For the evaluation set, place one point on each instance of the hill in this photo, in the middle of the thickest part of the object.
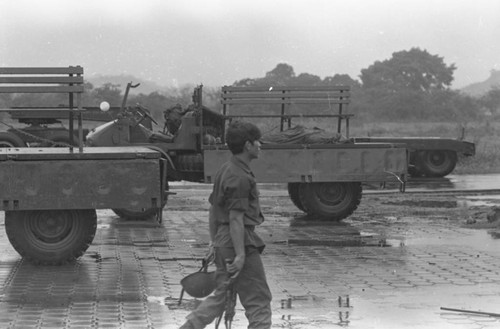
(481, 88)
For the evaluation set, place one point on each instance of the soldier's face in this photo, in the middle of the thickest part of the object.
(254, 149)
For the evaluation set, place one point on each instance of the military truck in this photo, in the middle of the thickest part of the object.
(323, 179)
(428, 156)
(50, 195)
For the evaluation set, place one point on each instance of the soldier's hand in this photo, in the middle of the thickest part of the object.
(235, 266)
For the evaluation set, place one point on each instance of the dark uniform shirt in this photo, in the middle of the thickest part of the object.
(235, 188)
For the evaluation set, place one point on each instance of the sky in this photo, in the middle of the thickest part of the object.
(217, 42)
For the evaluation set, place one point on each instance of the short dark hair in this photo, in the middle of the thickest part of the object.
(238, 133)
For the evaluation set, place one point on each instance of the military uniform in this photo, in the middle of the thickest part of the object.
(235, 188)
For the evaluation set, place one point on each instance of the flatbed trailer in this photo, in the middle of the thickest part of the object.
(323, 179)
(429, 156)
(50, 195)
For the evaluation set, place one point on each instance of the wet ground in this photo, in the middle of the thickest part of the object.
(394, 263)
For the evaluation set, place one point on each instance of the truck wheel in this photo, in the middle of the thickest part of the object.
(10, 140)
(333, 201)
(51, 237)
(293, 193)
(132, 214)
(437, 163)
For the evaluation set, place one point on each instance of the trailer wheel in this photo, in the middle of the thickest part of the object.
(10, 140)
(437, 163)
(333, 201)
(51, 237)
(293, 193)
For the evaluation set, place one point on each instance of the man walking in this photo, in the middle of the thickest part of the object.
(234, 213)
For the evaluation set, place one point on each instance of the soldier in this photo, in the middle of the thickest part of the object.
(233, 215)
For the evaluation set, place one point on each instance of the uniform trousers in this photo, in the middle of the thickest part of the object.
(251, 287)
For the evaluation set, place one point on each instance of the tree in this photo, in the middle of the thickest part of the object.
(415, 70)
(491, 100)
(341, 79)
(403, 86)
(281, 75)
(110, 93)
(244, 83)
(281, 72)
(306, 79)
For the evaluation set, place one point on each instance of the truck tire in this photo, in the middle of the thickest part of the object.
(293, 193)
(332, 201)
(10, 140)
(132, 214)
(51, 237)
(437, 163)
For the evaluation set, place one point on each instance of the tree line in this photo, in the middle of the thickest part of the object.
(411, 85)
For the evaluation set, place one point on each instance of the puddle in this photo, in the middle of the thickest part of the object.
(156, 300)
(185, 304)
(424, 203)
(173, 303)
(363, 240)
(421, 308)
(311, 311)
(484, 240)
(479, 201)
(475, 239)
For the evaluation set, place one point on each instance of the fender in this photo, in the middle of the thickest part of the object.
(172, 173)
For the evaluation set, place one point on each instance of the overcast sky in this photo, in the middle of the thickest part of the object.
(217, 42)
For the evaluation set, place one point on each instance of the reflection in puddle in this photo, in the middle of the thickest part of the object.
(173, 303)
(156, 300)
(308, 311)
(346, 241)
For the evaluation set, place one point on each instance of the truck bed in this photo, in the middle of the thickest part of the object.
(97, 178)
(288, 163)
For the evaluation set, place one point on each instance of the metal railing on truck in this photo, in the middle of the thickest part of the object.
(334, 98)
(48, 80)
